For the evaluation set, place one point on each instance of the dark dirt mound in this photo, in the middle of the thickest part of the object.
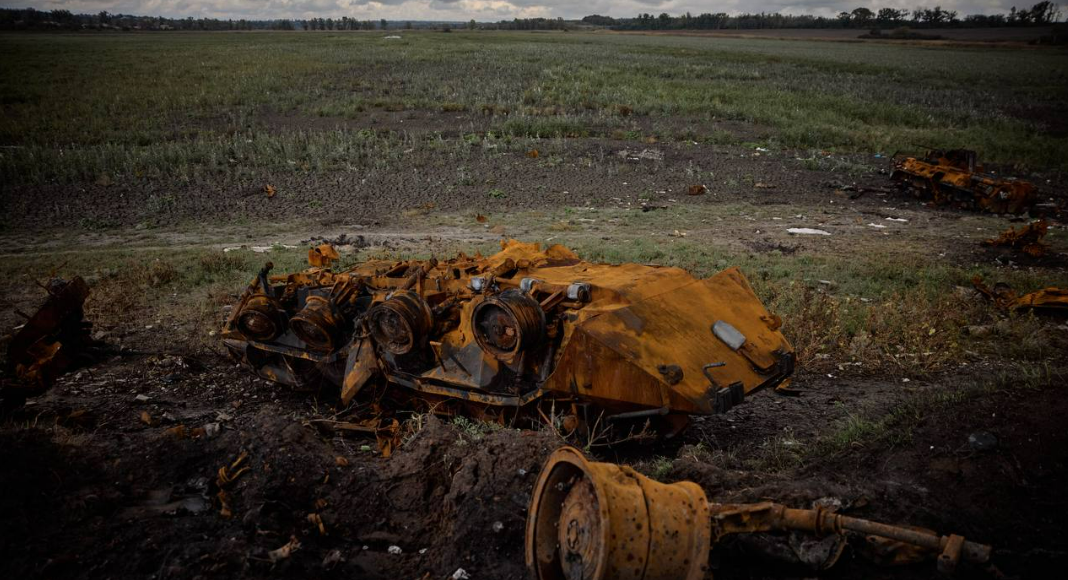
(1008, 494)
(89, 490)
(139, 501)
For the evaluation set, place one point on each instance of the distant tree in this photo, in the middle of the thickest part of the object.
(472, 24)
(934, 15)
(983, 20)
(407, 25)
(598, 20)
(861, 16)
(1044, 12)
(383, 24)
(891, 15)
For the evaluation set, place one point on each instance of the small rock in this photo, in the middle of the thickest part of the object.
(498, 526)
(332, 559)
(141, 398)
(982, 441)
(460, 574)
(211, 430)
(394, 550)
(979, 331)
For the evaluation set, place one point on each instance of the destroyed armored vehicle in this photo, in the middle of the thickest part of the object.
(955, 178)
(525, 328)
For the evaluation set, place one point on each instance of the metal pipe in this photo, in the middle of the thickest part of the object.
(821, 521)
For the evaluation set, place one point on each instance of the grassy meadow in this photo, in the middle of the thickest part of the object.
(149, 108)
(183, 106)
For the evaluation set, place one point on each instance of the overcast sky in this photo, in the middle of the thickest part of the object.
(482, 10)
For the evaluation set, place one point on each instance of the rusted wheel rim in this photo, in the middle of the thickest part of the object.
(580, 532)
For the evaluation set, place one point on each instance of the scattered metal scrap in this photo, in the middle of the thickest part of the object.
(514, 330)
(954, 177)
(54, 339)
(386, 431)
(594, 521)
(1027, 239)
(224, 479)
(1049, 300)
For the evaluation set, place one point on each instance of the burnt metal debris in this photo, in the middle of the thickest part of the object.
(522, 328)
(595, 521)
(1027, 239)
(1047, 300)
(53, 340)
(955, 178)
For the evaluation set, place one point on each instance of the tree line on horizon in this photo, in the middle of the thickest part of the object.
(1040, 14)
(32, 19)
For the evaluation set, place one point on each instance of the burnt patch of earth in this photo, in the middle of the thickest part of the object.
(98, 482)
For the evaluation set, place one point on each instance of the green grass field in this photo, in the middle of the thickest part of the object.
(149, 109)
(175, 105)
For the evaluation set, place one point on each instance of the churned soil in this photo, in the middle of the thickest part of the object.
(98, 481)
(593, 172)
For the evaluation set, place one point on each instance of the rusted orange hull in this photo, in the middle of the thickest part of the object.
(521, 326)
(953, 178)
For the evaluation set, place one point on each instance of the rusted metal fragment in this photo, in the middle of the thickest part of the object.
(514, 330)
(224, 480)
(955, 178)
(1049, 300)
(595, 521)
(54, 339)
(1027, 239)
(322, 256)
(385, 430)
(599, 521)
(887, 552)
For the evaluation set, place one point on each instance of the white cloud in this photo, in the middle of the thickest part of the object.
(483, 10)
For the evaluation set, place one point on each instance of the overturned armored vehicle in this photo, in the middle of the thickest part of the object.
(523, 329)
(955, 178)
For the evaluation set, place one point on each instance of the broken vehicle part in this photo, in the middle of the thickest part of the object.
(954, 178)
(515, 329)
(1049, 300)
(54, 339)
(595, 521)
(1027, 239)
